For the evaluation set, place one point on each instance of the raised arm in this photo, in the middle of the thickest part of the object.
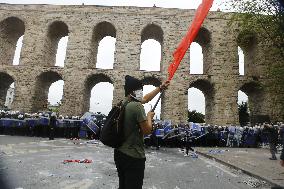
(148, 97)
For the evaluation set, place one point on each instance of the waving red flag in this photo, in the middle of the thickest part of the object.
(192, 32)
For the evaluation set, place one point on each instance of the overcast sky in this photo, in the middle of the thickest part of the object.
(101, 99)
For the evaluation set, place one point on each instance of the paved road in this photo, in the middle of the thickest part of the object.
(254, 161)
(37, 163)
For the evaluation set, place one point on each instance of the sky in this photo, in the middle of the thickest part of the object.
(101, 94)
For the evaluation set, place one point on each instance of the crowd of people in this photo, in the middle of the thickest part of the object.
(221, 136)
(40, 124)
(164, 134)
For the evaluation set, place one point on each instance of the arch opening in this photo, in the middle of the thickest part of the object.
(202, 91)
(103, 33)
(17, 55)
(61, 51)
(247, 42)
(196, 100)
(98, 93)
(7, 89)
(10, 96)
(55, 94)
(42, 89)
(101, 98)
(255, 94)
(196, 59)
(56, 43)
(241, 61)
(148, 106)
(12, 29)
(200, 53)
(106, 50)
(243, 108)
(149, 84)
(150, 57)
(151, 48)
(242, 97)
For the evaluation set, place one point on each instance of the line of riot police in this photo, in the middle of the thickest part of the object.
(45, 124)
(165, 133)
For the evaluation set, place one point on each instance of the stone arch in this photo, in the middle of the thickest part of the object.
(152, 31)
(56, 30)
(12, 28)
(5, 81)
(100, 31)
(203, 38)
(247, 41)
(255, 93)
(89, 83)
(150, 80)
(151, 36)
(207, 88)
(43, 82)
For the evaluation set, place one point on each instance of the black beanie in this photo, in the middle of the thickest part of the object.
(132, 84)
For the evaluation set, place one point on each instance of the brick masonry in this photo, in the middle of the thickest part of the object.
(44, 25)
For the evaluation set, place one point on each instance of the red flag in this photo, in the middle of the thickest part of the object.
(192, 32)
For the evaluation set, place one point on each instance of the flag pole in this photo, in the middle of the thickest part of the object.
(153, 109)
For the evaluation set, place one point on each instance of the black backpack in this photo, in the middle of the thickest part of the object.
(112, 133)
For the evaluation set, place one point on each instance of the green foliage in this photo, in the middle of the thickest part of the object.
(264, 17)
(246, 39)
(243, 113)
(277, 84)
(54, 108)
(263, 20)
(195, 117)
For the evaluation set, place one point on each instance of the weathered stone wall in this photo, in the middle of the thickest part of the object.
(43, 26)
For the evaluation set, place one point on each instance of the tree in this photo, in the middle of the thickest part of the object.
(243, 113)
(266, 19)
(195, 117)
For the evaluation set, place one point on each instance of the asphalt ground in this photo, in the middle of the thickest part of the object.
(253, 161)
(29, 162)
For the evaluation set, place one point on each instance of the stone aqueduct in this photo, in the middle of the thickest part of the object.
(43, 26)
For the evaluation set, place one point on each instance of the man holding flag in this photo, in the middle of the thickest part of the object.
(130, 164)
